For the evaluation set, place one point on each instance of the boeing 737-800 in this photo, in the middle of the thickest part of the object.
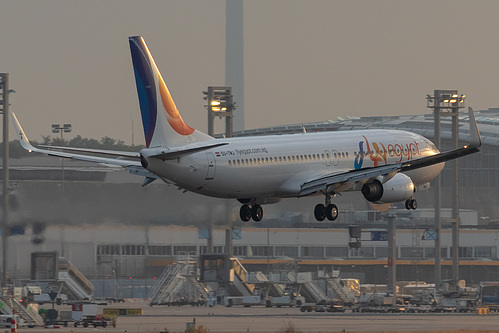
(386, 166)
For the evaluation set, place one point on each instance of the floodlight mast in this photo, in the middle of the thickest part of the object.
(65, 128)
(447, 103)
(220, 104)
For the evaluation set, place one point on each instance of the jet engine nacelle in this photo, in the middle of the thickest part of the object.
(399, 188)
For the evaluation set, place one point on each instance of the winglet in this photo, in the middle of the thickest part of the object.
(475, 140)
(23, 139)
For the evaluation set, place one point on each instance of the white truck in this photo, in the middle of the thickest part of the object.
(288, 301)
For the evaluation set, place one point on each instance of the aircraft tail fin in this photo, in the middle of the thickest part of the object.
(163, 125)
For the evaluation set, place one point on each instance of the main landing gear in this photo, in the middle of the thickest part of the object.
(411, 204)
(248, 212)
(327, 210)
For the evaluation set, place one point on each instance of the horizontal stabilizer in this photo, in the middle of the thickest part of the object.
(167, 153)
(147, 181)
(96, 151)
(120, 161)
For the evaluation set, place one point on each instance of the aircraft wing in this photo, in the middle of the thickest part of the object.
(124, 159)
(337, 180)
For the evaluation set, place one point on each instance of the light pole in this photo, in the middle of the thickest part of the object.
(57, 128)
(66, 128)
(447, 103)
(4, 103)
(220, 104)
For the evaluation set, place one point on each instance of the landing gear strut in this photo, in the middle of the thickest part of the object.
(247, 212)
(327, 210)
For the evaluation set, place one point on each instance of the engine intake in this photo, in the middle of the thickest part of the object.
(399, 188)
(373, 191)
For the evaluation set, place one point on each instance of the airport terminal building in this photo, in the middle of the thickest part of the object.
(107, 225)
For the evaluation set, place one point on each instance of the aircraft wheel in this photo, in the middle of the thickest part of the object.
(413, 204)
(245, 213)
(257, 213)
(320, 212)
(408, 204)
(331, 212)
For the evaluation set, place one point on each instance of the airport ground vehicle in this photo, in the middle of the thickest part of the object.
(288, 301)
(63, 318)
(95, 321)
(6, 320)
(323, 307)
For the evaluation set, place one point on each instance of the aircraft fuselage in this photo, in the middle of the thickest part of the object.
(276, 166)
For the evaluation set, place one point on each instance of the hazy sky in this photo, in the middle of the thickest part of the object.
(69, 61)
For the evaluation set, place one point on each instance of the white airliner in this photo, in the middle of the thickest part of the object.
(385, 165)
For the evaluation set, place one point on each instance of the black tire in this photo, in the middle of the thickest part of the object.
(408, 204)
(320, 212)
(85, 324)
(413, 204)
(332, 212)
(245, 213)
(257, 213)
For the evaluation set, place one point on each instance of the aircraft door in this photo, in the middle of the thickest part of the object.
(211, 166)
(327, 157)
